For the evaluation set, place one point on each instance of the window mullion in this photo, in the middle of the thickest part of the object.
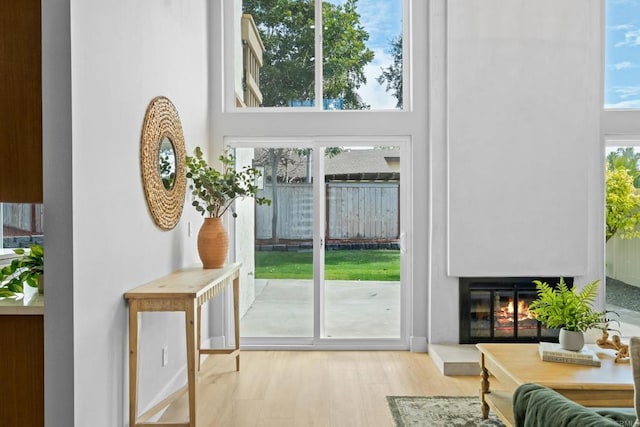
(318, 55)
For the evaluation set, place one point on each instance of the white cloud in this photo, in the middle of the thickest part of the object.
(631, 104)
(625, 92)
(622, 27)
(624, 65)
(631, 38)
(373, 93)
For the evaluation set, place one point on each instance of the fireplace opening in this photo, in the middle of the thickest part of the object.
(497, 310)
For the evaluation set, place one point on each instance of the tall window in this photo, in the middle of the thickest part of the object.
(622, 54)
(323, 54)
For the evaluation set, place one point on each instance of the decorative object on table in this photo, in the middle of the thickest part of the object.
(162, 159)
(439, 411)
(213, 194)
(614, 343)
(28, 268)
(566, 308)
(552, 352)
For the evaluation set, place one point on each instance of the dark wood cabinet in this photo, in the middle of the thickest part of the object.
(22, 370)
(20, 101)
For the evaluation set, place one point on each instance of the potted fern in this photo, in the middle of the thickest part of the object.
(569, 309)
(28, 268)
(213, 194)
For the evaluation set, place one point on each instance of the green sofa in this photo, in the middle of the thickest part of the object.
(538, 406)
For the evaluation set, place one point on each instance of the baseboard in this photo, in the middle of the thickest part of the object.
(418, 344)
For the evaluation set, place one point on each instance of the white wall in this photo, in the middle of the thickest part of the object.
(521, 147)
(122, 54)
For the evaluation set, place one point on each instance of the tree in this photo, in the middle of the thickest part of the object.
(626, 158)
(623, 204)
(287, 29)
(392, 75)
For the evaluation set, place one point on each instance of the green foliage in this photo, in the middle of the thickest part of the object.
(215, 191)
(627, 158)
(287, 29)
(25, 269)
(623, 204)
(392, 75)
(566, 307)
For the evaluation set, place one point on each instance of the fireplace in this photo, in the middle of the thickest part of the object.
(497, 310)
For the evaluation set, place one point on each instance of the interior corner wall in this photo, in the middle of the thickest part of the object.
(117, 56)
(57, 182)
(523, 156)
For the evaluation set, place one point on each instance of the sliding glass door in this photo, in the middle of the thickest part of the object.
(323, 262)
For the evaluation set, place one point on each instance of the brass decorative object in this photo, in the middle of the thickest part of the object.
(614, 343)
(162, 161)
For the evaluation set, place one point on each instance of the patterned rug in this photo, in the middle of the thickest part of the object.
(413, 411)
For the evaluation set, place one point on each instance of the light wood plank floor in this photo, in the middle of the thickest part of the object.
(314, 388)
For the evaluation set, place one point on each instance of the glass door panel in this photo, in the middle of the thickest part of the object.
(361, 290)
(275, 245)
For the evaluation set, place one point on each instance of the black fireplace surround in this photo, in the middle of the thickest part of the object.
(495, 309)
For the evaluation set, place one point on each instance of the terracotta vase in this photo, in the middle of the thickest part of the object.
(213, 243)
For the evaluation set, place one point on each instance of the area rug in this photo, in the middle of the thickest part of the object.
(413, 411)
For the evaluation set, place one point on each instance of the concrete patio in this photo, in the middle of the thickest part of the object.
(354, 309)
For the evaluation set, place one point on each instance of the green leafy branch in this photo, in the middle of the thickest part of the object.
(215, 191)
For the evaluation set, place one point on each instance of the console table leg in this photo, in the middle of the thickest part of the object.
(484, 389)
(236, 317)
(199, 332)
(133, 362)
(192, 352)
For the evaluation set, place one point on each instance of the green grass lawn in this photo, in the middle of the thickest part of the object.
(374, 264)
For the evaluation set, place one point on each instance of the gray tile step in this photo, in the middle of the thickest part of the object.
(456, 359)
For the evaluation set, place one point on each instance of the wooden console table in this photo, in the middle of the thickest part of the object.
(183, 290)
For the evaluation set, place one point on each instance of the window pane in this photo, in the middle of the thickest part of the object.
(278, 54)
(21, 225)
(622, 54)
(362, 54)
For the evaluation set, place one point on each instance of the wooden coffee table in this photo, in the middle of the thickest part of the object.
(610, 385)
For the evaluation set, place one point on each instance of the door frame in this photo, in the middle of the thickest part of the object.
(406, 243)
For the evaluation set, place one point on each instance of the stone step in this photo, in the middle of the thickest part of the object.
(456, 359)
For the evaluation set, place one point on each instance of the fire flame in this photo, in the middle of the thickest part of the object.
(523, 310)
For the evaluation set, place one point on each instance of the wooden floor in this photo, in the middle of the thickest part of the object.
(314, 388)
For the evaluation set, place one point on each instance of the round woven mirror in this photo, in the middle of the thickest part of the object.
(162, 160)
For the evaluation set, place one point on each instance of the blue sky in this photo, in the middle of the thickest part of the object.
(622, 54)
(383, 20)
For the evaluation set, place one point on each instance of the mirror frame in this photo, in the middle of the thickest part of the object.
(161, 120)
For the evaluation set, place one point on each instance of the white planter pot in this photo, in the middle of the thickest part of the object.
(571, 340)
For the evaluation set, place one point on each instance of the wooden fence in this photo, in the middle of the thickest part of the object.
(23, 217)
(355, 211)
(623, 260)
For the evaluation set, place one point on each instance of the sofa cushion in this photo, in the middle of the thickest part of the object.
(538, 406)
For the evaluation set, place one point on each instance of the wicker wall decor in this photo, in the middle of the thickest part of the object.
(165, 201)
